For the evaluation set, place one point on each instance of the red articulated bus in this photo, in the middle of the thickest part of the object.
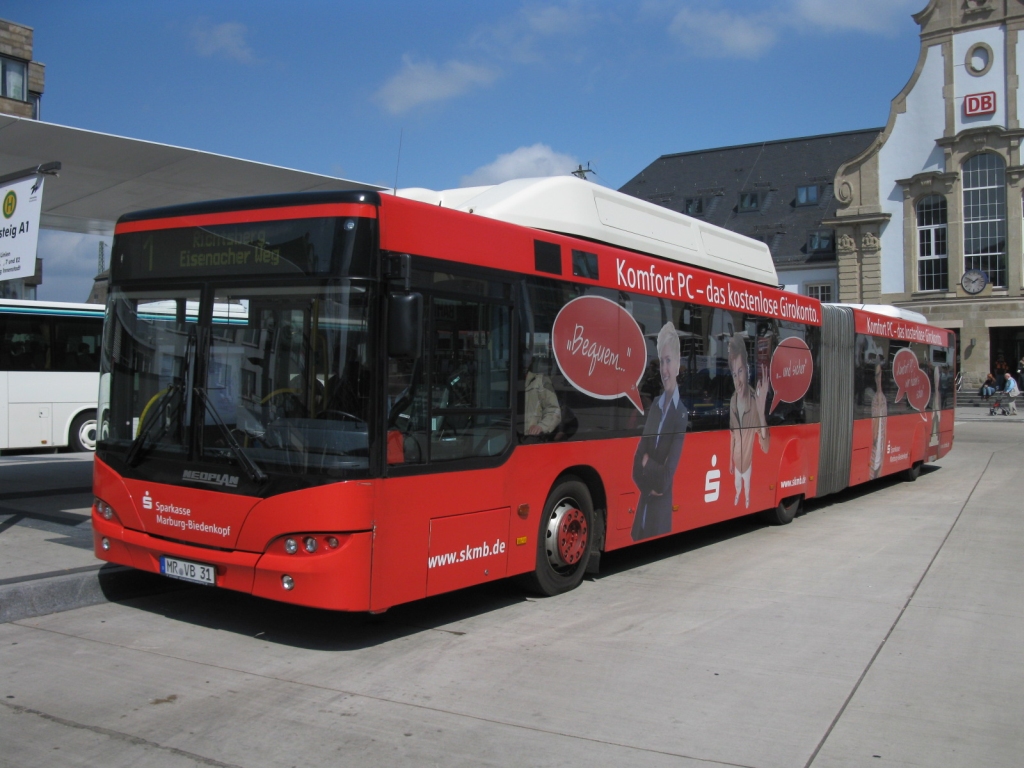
(351, 400)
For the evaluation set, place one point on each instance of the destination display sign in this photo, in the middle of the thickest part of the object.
(297, 247)
(301, 246)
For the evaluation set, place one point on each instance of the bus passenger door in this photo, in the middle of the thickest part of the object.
(30, 425)
(443, 521)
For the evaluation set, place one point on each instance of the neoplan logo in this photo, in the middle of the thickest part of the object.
(10, 204)
(210, 478)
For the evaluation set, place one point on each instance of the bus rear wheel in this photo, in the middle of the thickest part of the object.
(82, 435)
(784, 512)
(564, 540)
(910, 475)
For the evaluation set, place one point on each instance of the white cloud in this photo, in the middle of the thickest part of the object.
(424, 82)
(726, 33)
(536, 33)
(227, 40)
(70, 261)
(863, 15)
(522, 163)
(720, 33)
(554, 19)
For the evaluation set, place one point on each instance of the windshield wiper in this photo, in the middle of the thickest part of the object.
(251, 468)
(135, 449)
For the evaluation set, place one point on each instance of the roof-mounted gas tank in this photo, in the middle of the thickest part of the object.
(580, 208)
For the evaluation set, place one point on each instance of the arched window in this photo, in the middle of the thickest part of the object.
(932, 269)
(984, 183)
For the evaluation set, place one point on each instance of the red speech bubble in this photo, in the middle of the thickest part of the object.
(911, 380)
(600, 349)
(791, 371)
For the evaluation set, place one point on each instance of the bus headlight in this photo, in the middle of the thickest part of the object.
(288, 583)
(290, 546)
(104, 510)
(310, 543)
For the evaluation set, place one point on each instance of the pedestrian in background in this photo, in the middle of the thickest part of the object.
(988, 388)
(1011, 390)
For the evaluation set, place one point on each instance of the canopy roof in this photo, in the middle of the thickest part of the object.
(104, 176)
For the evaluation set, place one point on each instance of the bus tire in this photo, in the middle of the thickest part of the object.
(910, 475)
(784, 513)
(82, 435)
(565, 539)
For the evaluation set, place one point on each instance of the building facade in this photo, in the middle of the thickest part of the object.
(21, 79)
(779, 192)
(21, 92)
(929, 215)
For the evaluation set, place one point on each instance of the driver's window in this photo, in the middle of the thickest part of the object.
(469, 379)
(464, 410)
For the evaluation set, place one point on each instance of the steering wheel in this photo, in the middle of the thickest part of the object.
(335, 415)
(286, 401)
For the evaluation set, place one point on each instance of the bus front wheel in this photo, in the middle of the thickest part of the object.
(564, 540)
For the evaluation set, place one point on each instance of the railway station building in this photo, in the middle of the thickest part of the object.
(925, 213)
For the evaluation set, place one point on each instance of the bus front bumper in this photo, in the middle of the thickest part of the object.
(334, 579)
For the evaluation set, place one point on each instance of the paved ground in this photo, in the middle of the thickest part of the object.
(44, 514)
(882, 627)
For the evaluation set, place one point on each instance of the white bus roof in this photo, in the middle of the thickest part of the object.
(581, 208)
(49, 306)
(890, 311)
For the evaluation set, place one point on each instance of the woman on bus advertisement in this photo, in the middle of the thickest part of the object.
(936, 405)
(879, 412)
(746, 417)
(657, 454)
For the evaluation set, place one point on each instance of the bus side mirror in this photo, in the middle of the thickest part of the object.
(405, 325)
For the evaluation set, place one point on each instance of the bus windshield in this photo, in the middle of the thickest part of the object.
(268, 379)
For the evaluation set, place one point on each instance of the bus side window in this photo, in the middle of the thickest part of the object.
(470, 378)
(28, 341)
(76, 344)
(406, 420)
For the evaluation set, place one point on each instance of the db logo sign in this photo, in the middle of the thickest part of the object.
(980, 104)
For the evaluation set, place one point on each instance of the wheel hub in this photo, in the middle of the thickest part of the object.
(87, 435)
(566, 535)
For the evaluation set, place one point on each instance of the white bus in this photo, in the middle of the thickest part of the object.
(49, 374)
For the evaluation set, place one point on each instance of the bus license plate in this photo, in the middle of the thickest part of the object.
(186, 571)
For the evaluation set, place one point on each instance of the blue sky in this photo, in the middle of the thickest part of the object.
(478, 91)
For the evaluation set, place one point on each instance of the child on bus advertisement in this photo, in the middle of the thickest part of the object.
(746, 417)
(657, 454)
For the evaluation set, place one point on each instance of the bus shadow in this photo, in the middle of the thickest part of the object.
(648, 552)
(645, 553)
(320, 630)
(864, 489)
